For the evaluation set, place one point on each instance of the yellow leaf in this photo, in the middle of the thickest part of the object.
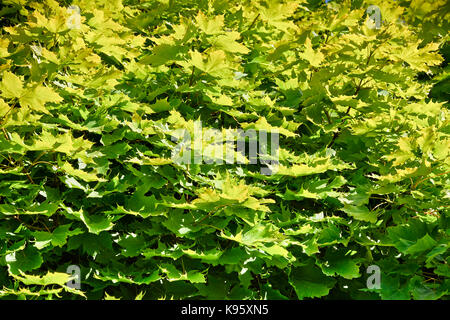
(228, 43)
(215, 61)
(209, 25)
(315, 58)
(145, 161)
(85, 176)
(11, 85)
(4, 108)
(36, 98)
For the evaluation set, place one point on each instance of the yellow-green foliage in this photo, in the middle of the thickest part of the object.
(89, 103)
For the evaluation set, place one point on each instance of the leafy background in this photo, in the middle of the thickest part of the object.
(87, 117)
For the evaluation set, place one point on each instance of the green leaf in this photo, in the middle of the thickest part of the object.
(339, 262)
(422, 245)
(47, 279)
(57, 238)
(360, 213)
(310, 282)
(132, 245)
(95, 223)
(173, 274)
(24, 260)
(420, 290)
(91, 243)
(411, 238)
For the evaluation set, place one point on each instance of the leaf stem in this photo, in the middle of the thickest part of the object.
(253, 22)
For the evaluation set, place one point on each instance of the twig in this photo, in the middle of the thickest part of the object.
(191, 79)
(426, 178)
(209, 214)
(253, 22)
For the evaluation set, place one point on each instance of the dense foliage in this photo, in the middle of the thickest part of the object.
(88, 111)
